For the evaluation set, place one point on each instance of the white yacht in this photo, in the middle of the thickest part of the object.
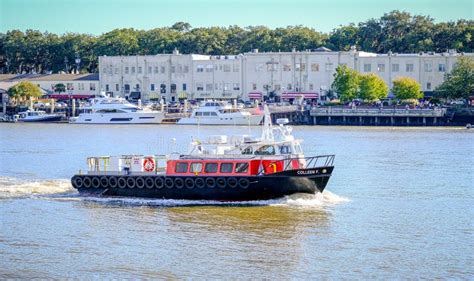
(37, 116)
(108, 110)
(220, 113)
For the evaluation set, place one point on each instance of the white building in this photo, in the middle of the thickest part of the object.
(254, 74)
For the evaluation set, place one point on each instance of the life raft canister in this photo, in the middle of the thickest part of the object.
(149, 164)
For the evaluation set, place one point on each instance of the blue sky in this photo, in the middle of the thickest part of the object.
(96, 17)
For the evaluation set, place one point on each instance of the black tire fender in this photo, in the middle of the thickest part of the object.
(95, 182)
(179, 182)
(189, 183)
(169, 182)
(244, 183)
(149, 182)
(221, 182)
(122, 182)
(200, 183)
(159, 182)
(131, 183)
(210, 182)
(113, 182)
(232, 182)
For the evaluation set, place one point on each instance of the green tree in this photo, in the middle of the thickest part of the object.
(346, 83)
(24, 90)
(59, 88)
(406, 88)
(459, 83)
(372, 88)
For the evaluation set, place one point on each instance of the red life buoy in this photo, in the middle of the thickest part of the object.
(149, 164)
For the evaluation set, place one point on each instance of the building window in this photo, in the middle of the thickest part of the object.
(367, 67)
(117, 87)
(92, 87)
(104, 70)
(286, 67)
(441, 67)
(395, 67)
(162, 88)
(126, 88)
(180, 68)
(236, 86)
(173, 88)
(381, 67)
(428, 67)
(200, 68)
(208, 87)
(409, 67)
(254, 87)
(133, 69)
(150, 70)
(311, 87)
(69, 86)
(106, 87)
(428, 85)
(155, 69)
(209, 68)
(199, 87)
(116, 70)
(236, 67)
(258, 67)
(137, 87)
(162, 69)
(315, 67)
(300, 67)
(186, 69)
(328, 67)
(139, 70)
(272, 66)
(184, 86)
(152, 87)
(226, 67)
(289, 87)
(126, 70)
(173, 69)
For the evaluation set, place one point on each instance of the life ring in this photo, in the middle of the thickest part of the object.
(77, 181)
(244, 183)
(159, 182)
(131, 182)
(169, 183)
(200, 183)
(149, 182)
(210, 182)
(140, 182)
(179, 182)
(122, 182)
(112, 182)
(149, 164)
(232, 182)
(189, 183)
(221, 182)
(104, 182)
(87, 182)
(95, 182)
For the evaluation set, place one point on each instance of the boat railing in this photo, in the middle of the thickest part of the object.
(298, 163)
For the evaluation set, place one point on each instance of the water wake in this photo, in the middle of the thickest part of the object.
(61, 189)
(15, 188)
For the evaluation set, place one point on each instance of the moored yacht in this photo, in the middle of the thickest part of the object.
(108, 110)
(37, 116)
(220, 113)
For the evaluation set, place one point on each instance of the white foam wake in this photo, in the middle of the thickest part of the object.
(14, 188)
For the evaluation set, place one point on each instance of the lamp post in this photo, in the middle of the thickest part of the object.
(78, 63)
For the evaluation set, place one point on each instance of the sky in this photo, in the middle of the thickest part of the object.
(99, 16)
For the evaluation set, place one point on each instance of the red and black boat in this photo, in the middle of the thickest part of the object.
(238, 169)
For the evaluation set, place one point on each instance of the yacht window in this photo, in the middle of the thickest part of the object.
(207, 114)
(241, 167)
(265, 150)
(211, 168)
(213, 114)
(198, 113)
(285, 149)
(195, 168)
(248, 150)
(181, 167)
(227, 167)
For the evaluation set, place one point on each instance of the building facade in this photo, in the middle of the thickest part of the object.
(254, 75)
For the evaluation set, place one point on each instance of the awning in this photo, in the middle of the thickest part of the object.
(182, 95)
(306, 95)
(255, 95)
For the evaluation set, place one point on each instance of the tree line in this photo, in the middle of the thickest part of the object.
(396, 31)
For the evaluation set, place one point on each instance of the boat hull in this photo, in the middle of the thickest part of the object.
(253, 120)
(119, 118)
(42, 119)
(214, 188)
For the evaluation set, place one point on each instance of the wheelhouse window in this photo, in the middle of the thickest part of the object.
(181, 167)
(265, 150)
(241, 167)
(248, 151)
(195, 168)
(211, 168)
(227, 167)
(285, 149)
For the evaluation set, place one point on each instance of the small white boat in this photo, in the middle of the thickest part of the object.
(107, 110)
(220, 113)
(37, 116)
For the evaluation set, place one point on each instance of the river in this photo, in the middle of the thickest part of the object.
(398, 206)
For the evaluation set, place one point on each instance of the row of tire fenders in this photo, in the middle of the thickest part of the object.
(158, 182)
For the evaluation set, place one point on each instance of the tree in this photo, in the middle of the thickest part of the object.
(24, 90)
(459, 83)
(346, 83)
(59, 88)
(372, 88)
(406, 88)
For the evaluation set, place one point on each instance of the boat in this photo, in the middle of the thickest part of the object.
(37, 116)
(109, 110)
(223, 168)
(220, 113)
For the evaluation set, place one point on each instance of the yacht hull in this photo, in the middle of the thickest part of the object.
(119, 118)
(42, 119)
(253, 120)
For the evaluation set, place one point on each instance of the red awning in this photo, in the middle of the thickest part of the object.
(66, 97)
(306, 95)
(255, 95)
